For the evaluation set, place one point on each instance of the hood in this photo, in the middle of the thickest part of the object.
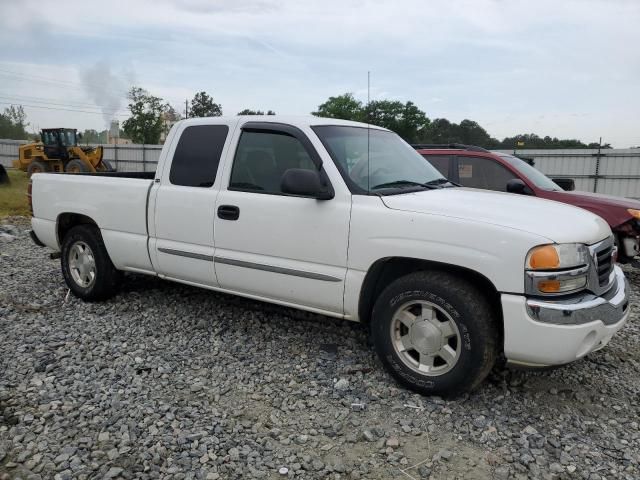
(556, 221)
(608, 200)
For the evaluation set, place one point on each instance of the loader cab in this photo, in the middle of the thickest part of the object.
(57, 141)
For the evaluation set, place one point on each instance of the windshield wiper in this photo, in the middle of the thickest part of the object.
(403, 183)
(440, 181)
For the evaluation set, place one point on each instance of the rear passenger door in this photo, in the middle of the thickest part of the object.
(185, 205)
(482, 172)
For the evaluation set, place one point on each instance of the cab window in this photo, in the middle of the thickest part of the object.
(479, 172)
(262, 158)
(197, 155)
(442, 164)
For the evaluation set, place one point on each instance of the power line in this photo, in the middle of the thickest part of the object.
(39, 78)
(40, 100)
(63, 109)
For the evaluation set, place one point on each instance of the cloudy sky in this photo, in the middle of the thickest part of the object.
(566, 68)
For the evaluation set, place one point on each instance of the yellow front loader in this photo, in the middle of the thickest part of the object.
(58, 151)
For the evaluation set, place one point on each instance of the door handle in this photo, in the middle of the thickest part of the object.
(228, 212)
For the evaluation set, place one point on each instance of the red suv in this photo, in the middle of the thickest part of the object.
(476, 167)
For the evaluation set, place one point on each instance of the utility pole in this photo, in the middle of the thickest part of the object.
(186, 108)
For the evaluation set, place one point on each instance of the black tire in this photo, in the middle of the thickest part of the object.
(455, 300)
(76, 166)
(106, 279)
(4, 176)
(107, 166)
(37, 166)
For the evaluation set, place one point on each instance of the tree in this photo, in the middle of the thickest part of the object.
(344, 106)
(170, 113)
(531, 140)
(407, 120)
(93, 136)
(248, 111)
(13, 124)
(597, 145)
(145, 123)
(202, 105)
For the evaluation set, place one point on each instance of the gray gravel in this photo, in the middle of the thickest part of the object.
(168, 381)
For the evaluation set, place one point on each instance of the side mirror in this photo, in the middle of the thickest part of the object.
(515, 185)
(306, 183)
(567, 184)
(79, 135)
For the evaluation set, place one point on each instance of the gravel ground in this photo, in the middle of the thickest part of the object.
(168, 381)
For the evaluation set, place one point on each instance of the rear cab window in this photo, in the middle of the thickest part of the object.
(197, 156)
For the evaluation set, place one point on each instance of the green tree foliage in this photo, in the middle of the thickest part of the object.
(405, 119)
(345, 107)
(248, 111)
(13, 123)
(145, 124)
(202, 105)
(170, 113)
(596, 145)
(531, 140)
(412, 124)
(442, 131)
(93, 136)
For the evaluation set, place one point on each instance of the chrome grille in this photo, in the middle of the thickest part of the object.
(604, 264)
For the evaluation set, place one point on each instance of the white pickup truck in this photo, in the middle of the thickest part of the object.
(348, 221)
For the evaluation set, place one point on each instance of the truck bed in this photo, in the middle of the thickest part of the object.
(138, 175)
(116, 201)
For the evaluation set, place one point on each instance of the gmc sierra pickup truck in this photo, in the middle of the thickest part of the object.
(347, 220)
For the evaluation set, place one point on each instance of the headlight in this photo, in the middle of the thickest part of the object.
(634, 213)
(556, 269)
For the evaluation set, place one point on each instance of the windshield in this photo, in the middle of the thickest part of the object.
(538, 178)
(392, 164)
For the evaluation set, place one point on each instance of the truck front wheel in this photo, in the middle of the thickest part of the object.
(435, 333)
(86, 266)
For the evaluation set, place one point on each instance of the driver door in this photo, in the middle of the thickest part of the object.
(285, 248)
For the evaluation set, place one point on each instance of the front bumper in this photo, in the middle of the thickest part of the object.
(553, 332)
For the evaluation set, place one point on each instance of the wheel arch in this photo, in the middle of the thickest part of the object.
(386, 270)
(66, 221)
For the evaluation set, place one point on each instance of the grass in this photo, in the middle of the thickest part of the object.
(13, 197)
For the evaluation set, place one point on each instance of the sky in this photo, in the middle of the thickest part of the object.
(567, 68)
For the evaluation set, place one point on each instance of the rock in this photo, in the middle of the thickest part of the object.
(445, 454)
(234, 454)
(368, 436)
(556, 467)
(393, 442)
(113, 472)
(341, 385)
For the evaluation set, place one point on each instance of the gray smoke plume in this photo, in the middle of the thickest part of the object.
(106, 89)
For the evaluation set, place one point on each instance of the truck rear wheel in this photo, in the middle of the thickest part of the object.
(435, 333)
(86, 266)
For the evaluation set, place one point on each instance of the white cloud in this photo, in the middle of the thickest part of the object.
(511, 65)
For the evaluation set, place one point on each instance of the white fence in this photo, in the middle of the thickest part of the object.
(610, 171)
(124, 158)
